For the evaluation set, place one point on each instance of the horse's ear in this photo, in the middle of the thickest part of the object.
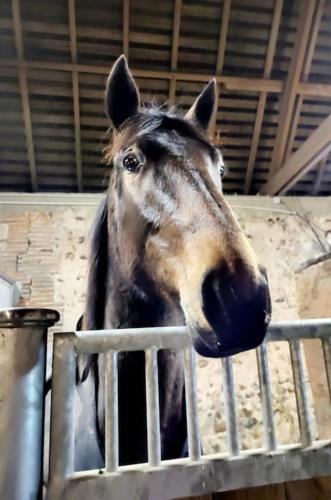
(204, 107)
(122, 95)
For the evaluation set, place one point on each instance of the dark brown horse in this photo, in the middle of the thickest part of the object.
(166, 250)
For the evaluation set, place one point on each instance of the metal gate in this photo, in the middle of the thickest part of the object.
(196, 474)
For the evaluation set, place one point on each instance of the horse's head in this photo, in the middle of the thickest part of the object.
(173, 223)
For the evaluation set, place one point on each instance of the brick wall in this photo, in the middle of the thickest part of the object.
(45, 250)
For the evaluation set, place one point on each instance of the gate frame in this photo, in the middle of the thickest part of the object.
(23, 332)
(161, 480)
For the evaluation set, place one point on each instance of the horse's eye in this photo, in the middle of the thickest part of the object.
(131, 162)
(221, 170)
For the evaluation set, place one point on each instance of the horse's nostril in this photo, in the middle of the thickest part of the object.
(212, 300)
(236, 307)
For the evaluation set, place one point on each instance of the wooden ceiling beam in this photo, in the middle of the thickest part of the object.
(230, 82)
(316, 147)
(319, 175)
(75, 93)
(289, 96)
(24, 91)
(305, 73)
(223, 34)
(126, 27)
(314, 89)
(278, 7)
(174, 49)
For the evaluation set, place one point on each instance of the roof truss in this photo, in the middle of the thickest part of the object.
(309, 154)
(250, 134)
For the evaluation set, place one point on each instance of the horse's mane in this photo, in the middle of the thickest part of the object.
(93, 317)
(98, 271)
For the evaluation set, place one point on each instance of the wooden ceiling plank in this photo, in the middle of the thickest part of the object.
(305, 157)
(278, 7)
(174, 49)
(75, 93)
(24, 90)
(305, 73)
(319, 176)
(291, 86)
(126, 27)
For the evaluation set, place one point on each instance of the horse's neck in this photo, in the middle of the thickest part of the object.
(126, 307)
(128, 303)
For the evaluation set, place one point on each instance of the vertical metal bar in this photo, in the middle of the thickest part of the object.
(153, 408)
(62, 409)
(326, 344)
(230, 407)
(301, 393)
(111, 417)
(265, 388)
(194, 444)
(23, 334)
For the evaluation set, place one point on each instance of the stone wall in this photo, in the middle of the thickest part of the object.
(314, 299)
(43, 244)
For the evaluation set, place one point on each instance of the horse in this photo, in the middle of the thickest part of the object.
(166, 250)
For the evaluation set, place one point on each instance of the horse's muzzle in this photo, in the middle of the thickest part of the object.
(238, 309)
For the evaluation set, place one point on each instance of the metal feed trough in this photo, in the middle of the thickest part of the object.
(23, 335)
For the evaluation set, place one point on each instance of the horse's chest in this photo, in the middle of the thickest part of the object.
(132, 404)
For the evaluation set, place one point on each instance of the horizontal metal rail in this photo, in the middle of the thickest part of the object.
(130, 339)
(299, 329)
(180, 478)
(177, 337)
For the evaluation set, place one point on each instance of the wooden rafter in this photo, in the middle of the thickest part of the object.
(319, 175)
(174, 49)
(230, 82)
(278, 7)
(75, 94)
(223, 34)
(313, 150)
(305, 75)
(126, 27)
(291, 85)
(24, 90)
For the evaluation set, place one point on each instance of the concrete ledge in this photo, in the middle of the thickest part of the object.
(286, 205)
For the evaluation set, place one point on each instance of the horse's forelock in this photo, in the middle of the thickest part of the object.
(152, 119)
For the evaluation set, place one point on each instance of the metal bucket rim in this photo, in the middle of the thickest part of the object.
(14, 317)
